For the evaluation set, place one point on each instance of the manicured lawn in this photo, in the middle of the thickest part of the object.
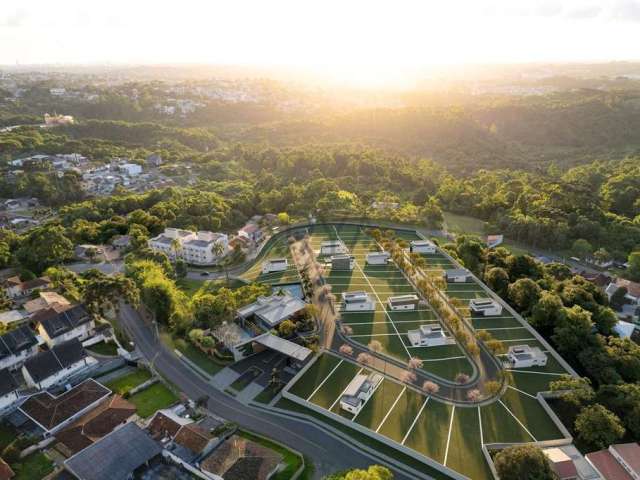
(465, 455)
(127, 382)
(33, 467)
(104, 348)
(316, 373)
(154, 398)
(245, 379)
(292, 460)
(190, 286)
(331, 390)
(529, 411)
(197, 356)
(267, 395)
(429, 435)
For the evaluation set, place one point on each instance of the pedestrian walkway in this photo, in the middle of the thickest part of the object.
(249, 393)
(224, 378)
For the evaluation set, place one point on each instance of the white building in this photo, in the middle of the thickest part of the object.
(378, 258)
(332, 247)
(403, 302)
(342, 262)
(357, 301)
(427, 336)
(197, 248)
(56, 366)
(61, 323)
(422, 246)
(8, 390)
(275, 265)
(359, 391)
(457, 275)
(131, 169)
(485, 306)
(524, 356)
(16, 346)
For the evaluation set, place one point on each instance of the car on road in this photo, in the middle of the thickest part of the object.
(204, 274)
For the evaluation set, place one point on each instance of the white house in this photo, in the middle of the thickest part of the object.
(271, 311)
(403, 302)
(8, 390)
(332, 247)
(485, 306)
(197, 248)
(275, 265)
(131, 169)
(16, 346)
(524, 356)
(16, 288)
(252, 232)
(422, 246)
(357, 301)
(61, 323)
(56, 366)
(378, 258)
(427, 336)
(359, 391)
(342, 262)
(457, 275)
(202, 249)
(633, 290)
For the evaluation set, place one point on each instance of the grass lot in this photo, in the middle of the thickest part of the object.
(190, 286)
(267, 395)
(292, 460)
(245, 379)
(197, 356)
(127, 382)
(463, 224)
(154, 398)
(33, 467)
(104, 348)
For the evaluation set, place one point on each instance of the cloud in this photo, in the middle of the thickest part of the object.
(15, 19)
(583, 12)
(626, 10)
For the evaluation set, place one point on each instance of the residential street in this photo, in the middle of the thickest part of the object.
(328, 453)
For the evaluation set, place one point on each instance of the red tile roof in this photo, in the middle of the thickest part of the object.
(608, 466)
(5, 471)
(630, 453)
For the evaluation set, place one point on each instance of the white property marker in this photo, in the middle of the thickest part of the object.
(446, 451)
(414, 421)
(521, 391)
(480, 423)
(325, 379)
(535, 373)
(391, 409)
(517, 420)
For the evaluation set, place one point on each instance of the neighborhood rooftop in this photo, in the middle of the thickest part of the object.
(48, 363)
(272, 310)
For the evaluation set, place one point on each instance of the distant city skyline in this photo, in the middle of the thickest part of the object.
(383, 39)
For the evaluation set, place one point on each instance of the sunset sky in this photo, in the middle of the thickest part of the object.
(343, 35)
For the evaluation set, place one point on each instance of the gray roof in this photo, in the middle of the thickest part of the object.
(162, 239)
(284, 346)
(115, 456)
(199, 243)
(455, 272)
(274, 309)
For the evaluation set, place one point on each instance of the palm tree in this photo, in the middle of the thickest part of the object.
(219, 250)
(175, 248)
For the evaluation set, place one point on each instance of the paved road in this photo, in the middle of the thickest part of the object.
(327, 453)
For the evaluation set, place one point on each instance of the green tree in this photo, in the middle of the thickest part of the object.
(573, 334)
(497, 279)
(575, 391)
(634, 266)
(523, 294)
(597, 427)
(44, 247)
(547, 313)
(523, 462)
(619, 298)
(581, 248)
(103, 292)
(374, 472)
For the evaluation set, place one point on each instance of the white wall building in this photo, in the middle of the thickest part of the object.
(357, 301)
(8, 390)
(359, 391)
(197, 248)
(57, 325)
(275, 265)
(131, 169)
(422, 246)
(332, 247)
(403, 302)
(457, 275)
(524, 356)
(378, 258)
(342, 262)
(485, 306)
(427, 336)
(16, 346)
(56, 366)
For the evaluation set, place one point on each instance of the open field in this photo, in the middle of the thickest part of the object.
(447, 434)
(386, 326)
(279, 249)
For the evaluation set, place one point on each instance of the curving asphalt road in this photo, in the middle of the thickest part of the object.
(328, 453)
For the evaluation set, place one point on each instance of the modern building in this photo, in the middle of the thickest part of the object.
(16, 288)
(378, 258)
(485, 306)
(569, 464)
(422, 246)
(56, 366)
(524, 356)
(332, 247)
(252, 232)
(131, 169)
(403, 302)
(343, 262)
(619, 462)
(359, 391)
(427, 336)
(16, 346)
(457, 275)
(117, 456)
(269, 312)
(51, 413)
(197, 248)
(357, 301)
(61, 323)
(275, 265)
